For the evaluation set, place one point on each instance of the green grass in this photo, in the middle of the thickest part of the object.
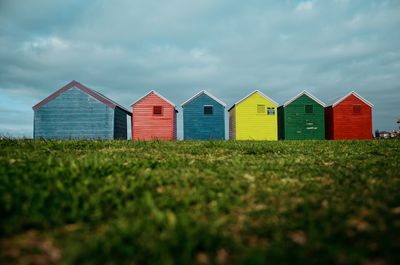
(118, 202)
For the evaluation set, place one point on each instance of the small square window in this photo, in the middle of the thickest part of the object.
(356, 109)
(271, 111)
(208, 110)
(157, 110)
(309, 108)
(261, 109)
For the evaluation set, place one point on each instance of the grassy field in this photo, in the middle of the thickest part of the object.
(118, 202)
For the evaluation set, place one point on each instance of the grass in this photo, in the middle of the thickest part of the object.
(118, 202)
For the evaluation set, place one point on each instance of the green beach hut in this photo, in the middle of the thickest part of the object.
(302, 118)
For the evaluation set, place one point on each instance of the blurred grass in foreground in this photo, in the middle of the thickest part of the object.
(216, 202)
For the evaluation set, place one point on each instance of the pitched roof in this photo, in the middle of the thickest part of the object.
(249, 95)
(157, 94)
(205, 93)
(354, 94)
(304, 92)
(100, 97)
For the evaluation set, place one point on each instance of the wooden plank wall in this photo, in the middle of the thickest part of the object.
(251, 125)
(347, 125)
(74, 115)
(299, 125)
(146, 126)
(329, 123)
(232, 124)
(281, 123)
(120, 124)
(199, 126)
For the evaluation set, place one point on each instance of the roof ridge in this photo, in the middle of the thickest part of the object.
(354, 93)
(206, 93)
(91, 92)
(157, 94)
(305, 92)
(255, 91)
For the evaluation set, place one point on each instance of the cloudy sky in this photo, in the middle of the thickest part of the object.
(124, 48)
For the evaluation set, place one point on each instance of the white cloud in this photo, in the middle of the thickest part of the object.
(305, 6)
(47, 43)
(203, 56)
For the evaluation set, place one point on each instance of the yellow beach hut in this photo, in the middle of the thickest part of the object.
(254, 118)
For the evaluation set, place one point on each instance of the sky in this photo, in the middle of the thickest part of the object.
(125, 48)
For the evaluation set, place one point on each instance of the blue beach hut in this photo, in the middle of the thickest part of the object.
(203, 117)
(78, 112)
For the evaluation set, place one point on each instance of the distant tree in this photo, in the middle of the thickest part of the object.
(398, 121)
(377, 133)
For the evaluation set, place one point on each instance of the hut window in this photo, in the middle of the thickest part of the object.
(208, 110)
(309, 108)
(356, 109)
(261, 109)
(271, 111)
(157, 110)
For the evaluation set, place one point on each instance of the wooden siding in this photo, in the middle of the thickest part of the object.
(74, 114)
(74, 84)
(120, 124)
(296, 124)
(281, 123)
(346, 125)
(251, 125)
(329, 123)
(232, 124)
(175, 125)
(200, 126)
(146, 126)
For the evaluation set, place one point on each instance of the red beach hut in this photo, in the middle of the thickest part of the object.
(349, 118)
(153, 118)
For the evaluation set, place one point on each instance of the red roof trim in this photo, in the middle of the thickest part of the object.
(85, 89)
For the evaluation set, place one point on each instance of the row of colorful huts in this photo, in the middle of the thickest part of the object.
(76, 111)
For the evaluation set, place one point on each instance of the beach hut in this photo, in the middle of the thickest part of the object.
(153, 118)
(302, 118)
(203, 117)
(348, 118)
(78, 112)
(254, 118)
